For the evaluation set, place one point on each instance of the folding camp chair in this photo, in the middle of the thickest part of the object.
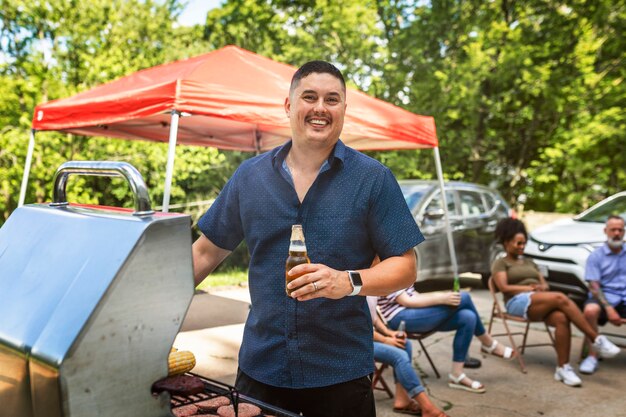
(498, 312)
(378, 382)
(419, 337)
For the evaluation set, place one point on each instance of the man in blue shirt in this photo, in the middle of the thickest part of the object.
(606, 273)
(311, 352)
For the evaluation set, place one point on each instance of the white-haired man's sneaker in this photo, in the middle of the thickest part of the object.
(604, 347)
(567, 375)
(589, 365)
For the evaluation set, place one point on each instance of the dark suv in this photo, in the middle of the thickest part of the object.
(474, 212)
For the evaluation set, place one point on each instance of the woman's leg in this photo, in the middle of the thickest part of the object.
(562, 335)
(479, 330)
(544, 303)
(464, 322)
(468, 304)
(423, 319)
(402, 368)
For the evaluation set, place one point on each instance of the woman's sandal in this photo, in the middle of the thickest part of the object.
(507, 354)
(411, 408)
(475, 387)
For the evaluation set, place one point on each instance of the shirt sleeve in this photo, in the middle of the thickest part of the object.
(391, 224)
(221, 224)
(592, 267)
(498, 266)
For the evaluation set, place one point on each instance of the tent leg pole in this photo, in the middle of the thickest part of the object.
(455, 265)
(27, 164)
(171, 154)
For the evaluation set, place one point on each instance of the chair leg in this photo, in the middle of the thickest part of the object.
(432, 364)
(525, 337)
(378, 378)
(493, 310)
(517, 352)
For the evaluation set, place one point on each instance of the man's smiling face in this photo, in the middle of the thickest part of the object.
(316, 108)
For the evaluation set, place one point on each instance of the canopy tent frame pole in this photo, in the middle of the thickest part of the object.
(171, 154)
(446, 215)
(27, 164)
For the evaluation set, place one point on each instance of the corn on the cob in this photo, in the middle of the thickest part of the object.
(180, 362)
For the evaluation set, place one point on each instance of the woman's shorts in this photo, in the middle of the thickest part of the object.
(518, 305)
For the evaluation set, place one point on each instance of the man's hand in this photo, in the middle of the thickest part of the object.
(540, 287)
(319, 281)
(614, 318)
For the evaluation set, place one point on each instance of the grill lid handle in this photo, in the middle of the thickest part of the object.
(103, 169)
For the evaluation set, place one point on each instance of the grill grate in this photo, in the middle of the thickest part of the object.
(213, 388)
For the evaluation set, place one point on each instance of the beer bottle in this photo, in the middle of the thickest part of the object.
(401, 334)
(456, 286)
(297, 254)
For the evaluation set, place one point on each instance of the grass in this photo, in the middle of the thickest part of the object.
(227, 278)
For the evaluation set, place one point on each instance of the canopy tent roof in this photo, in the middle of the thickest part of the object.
(230, 99)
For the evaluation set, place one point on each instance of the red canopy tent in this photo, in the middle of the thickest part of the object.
(230, 99)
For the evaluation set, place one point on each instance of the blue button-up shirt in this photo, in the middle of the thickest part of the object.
(353, 211)
(609, 269)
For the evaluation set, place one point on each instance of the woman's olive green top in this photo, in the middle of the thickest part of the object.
(519, 272)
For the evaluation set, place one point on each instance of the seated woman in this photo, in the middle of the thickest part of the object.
(443, 311)
(394, 350)
(526, 295)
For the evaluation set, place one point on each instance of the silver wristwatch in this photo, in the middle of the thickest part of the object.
(357, 283)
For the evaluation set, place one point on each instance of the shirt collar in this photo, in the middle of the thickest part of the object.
(337, 155)
(607, 250)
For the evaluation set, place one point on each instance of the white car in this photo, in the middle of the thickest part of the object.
(561, 248)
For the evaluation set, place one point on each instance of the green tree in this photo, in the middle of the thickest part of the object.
(53, 49)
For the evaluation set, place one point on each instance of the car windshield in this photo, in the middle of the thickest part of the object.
(413, 194)
(600, 214)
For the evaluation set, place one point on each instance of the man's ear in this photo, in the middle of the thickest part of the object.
(287, 106)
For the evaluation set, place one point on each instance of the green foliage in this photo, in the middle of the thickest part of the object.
(527, 96)
(233, 277)
(54, 49)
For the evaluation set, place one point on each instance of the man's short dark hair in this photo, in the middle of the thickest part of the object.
(320, 67)
(615, 217)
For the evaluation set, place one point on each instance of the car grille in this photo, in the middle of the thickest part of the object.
(547, 258)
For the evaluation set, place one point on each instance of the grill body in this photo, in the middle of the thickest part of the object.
(91, 300)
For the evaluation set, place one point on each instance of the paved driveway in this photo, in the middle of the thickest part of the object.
(215, 341)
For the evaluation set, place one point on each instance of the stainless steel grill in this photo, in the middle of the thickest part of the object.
(91, 299)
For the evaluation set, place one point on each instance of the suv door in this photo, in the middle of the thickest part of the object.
(471, 235)
(433, 254)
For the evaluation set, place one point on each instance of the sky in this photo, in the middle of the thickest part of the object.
(196, 10)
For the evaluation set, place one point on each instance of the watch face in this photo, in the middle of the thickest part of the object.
(356, 278)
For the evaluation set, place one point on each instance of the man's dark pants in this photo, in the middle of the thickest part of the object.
(347, 399)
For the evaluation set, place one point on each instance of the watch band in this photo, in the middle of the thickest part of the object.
(357, 283)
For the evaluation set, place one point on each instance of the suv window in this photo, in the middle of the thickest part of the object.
(435, 206)
(471, 203)
(491, 200)
(616, 206)
(435, 203)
